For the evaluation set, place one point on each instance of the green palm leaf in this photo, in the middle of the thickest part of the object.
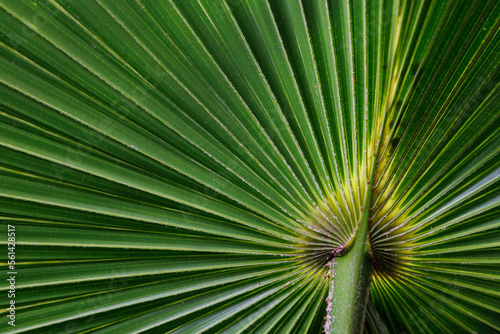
(192, 166)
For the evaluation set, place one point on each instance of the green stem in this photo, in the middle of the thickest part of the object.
(350, 282)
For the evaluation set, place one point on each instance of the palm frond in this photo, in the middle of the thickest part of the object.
(187, 166)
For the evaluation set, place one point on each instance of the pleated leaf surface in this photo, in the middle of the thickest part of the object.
(186, 166)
